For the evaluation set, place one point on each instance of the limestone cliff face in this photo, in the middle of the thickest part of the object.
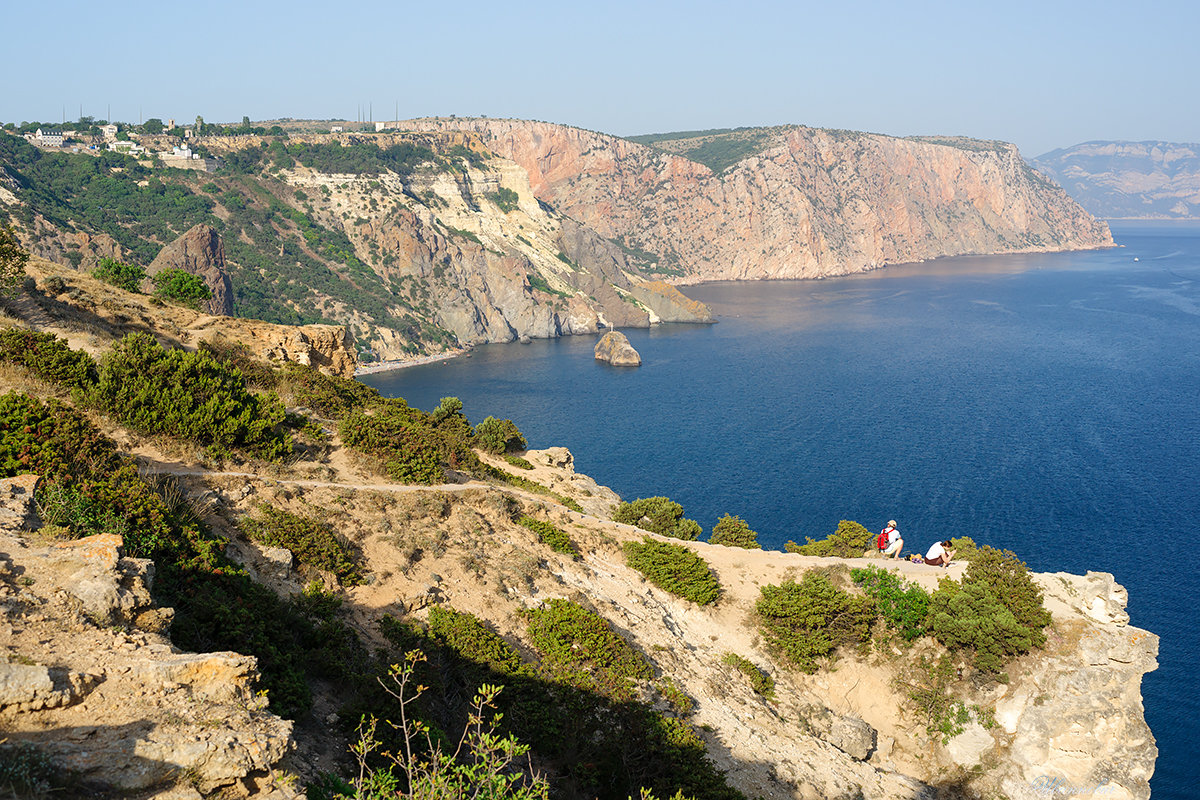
(807, 203)
(200, 252)
(485, 269)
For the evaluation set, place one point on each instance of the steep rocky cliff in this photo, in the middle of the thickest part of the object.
(417, 243)
(792, 202)
(1142, 180)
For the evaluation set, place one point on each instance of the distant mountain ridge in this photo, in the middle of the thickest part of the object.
(1139, 180)
(788, 201)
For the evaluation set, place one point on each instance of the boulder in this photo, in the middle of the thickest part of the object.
(615, 349)
(851, 735)
(200, 252)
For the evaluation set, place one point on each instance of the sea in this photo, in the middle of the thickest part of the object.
(1047, 403)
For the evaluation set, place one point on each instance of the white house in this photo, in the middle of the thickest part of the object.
(49, 138)
(109, 131)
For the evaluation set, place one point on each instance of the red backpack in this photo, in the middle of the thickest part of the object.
(882, 540)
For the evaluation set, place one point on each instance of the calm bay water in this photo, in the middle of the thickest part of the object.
(1049, 404)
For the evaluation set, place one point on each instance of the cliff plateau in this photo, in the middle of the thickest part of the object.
(793, 202)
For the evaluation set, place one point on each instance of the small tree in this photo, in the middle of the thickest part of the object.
(178, 286)
(848, 541)
(12, 262)
(805, 621)
(658, 515)
(498, 436)
(734, 532)
(124, 276)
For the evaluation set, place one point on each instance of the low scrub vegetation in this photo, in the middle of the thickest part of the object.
(760, 681)
(551, 535)
(806, 620)
(850, 540)
(189, 395)
(124, 276)
(674, 568)
(498, 436)
(181, 287)
(312, 542)
(578, 641)
(48, 357)
(658, 515)
(734, 532)
(902, 605)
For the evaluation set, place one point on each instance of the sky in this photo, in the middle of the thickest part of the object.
(1044, 75)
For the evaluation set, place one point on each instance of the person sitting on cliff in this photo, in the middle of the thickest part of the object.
(894, 544)
(940, 555)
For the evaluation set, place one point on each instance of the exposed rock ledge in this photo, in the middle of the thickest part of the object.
(121, 707)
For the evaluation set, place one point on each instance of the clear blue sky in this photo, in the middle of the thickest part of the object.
(1044, 75)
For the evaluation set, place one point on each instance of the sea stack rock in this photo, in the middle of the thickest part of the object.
(200, 252)
(614, 348)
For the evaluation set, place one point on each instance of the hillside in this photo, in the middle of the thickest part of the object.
(1129, 180)
(199, 606)
(788, 201)
(415, 243)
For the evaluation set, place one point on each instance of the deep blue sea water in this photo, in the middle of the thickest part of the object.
(1049, 404)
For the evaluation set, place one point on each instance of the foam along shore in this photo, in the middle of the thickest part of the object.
(401, 363)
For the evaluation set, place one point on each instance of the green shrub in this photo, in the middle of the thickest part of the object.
(124, 276)
(674, 568)
(551, 535)
(25, 771)
(409, 451)
(187, 395)
(1009, 580)
(579, 645)
(970, 617)
(498, 436)
(63, 504)
(850, 540)
(472, 639)
(237, 356)
(927, 685)
(518, 462)
(964, 548)
(760, 681)
(658, 515)
(330, 396)
(902, 604)
(312, 541)
(13, 258)
(505, 199)
(734, 532)
(180, 286)
(805, 621)
(48, 357)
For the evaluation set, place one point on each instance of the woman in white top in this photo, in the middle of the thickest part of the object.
(940, 554)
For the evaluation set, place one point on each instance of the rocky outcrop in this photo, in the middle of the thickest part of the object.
(614, 348)
(200, 252)
(804, 203)
(91, 682)
(1075, 716)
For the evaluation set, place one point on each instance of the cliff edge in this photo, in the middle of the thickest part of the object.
(799, 202)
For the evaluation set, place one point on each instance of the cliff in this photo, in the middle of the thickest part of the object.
(1133, 180)
(416, 243)
(791, 202)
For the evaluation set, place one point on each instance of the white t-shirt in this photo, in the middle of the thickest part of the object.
(893, 535)
(937, 551)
